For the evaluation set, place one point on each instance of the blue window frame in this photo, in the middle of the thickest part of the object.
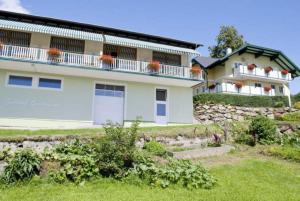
(161, 110)
(50, 83)
(20, 80)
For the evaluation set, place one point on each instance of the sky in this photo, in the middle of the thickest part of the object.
(269, 23)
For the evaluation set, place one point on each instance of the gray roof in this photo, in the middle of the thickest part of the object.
(205, 61)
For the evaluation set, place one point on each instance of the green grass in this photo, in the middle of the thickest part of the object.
(251, 179)
(286, 152)
(186, 130)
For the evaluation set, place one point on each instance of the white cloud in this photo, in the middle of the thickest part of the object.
(13, 5)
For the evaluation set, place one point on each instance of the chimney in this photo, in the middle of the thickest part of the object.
(228, 51)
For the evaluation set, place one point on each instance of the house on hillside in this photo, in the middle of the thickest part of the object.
(57, 73)
(249, 70)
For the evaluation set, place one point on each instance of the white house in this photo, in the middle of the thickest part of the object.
(57, 73)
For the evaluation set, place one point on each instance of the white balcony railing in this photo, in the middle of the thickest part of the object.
(93, 61)
(260, 72)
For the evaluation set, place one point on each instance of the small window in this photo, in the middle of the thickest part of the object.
(257, 85)
(281, 90)
(50, 83)
(109, 90)
(161, 94)
(161, 110)
(20, 80)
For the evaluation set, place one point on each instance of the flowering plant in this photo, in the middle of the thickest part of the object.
(54, 52)
(284, 72)
(195, 70)
(251, 66)
(267, 88)
(106, 58)
(268, 69)
(154, 65)
(238, 85)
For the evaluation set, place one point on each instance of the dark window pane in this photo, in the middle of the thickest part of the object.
(120, 52)
(68, 44)
(15, 38)
(50, 83)
(161, 95)
(166, 58)
(100, 86)
(161, 110)
(273, 86)
(109, 87)
(119, 88)
(20, 80)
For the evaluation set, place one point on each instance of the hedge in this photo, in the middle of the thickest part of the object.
(241, 100)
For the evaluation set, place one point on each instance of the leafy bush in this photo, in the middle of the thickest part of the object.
(240, 133)
(296, 98)
(263, 130)
(175, 172)
(155, 148)
(279, 104)
(293, 116)
(241, 100)
(23, 165)
(291, 139)
(115, 151)
(285, 152)
(297, 105)
(216, 141)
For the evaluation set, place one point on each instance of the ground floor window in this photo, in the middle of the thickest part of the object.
(49, 83)
(20, 80)
(109, 90)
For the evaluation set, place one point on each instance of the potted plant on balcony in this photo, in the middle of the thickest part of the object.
(154, 66)
(196, 70)
(238, 84)
(267, 88)
(251, 67)
(268, 69)
(107, 59)
(284, 72)
(54, 54)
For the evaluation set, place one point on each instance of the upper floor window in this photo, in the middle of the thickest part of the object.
(120, 52)
(281, 89)
(68, 44)
(15, 38)
(166, 58)
(257, 85)
(20, 80)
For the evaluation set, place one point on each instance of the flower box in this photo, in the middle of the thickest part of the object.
(54, 53)
(251, 66)
(284, 72)
(154, 66)
(195, 70)
(267, 88)
(106, 58)
(238, 85)
(268, 69)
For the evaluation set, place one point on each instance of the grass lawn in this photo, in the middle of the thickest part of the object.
(250, 178)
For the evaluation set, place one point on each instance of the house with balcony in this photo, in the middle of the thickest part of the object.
(58, 73)
(250, 70)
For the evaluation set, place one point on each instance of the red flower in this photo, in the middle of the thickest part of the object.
(106, 58)
(154, 65)
(54, 52)
(251, 66)
(238, 85)
(267, 88)
(268, 69)
(195, 70)
(284, 72)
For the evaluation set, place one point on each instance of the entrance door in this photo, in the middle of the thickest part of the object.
(108, 104)
(161, 106)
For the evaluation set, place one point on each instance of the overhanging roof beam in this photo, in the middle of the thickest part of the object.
(258, 54)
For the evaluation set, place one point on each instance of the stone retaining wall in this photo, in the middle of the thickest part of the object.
(210, 113)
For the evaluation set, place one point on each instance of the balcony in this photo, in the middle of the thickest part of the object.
(93, 62)
(242, 70)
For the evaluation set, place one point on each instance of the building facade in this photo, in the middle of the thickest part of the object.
(250, 70)
(56, 73)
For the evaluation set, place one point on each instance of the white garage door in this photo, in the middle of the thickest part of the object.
(108, 104)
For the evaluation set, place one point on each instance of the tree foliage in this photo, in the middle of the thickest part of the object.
(227, 38)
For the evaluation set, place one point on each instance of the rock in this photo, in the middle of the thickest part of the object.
(289, 131)
(206, 107)
(3, 164)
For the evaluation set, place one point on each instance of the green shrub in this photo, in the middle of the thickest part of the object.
(23, 165)
(293, 116)
(296, 98)
(155, 148)
(291, 139)
(263, 130)
(297, 105)
(241, 100)
(285, 152)
(115, 151)
(175, 172)
(279, 104)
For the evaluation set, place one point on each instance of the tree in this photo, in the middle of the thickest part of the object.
(227, 38)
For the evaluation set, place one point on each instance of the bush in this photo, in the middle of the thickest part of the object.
(294, 116)
(175, 172)
(297, 105)
(285, 152)
(263, 130)
(23, 165)
(216, 141)
(115, 151)
(291, 139)
(279, 104)
(241, 100)
(155, 148)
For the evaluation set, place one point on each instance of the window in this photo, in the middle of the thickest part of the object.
(166, 58)
(109, 90)
(20, 80)
(237, 64)
(15, 38)
(161, 94)
(273, 86)
(49, 83)
(120, 52)
(257, 85)
(161, 110)
(68, 44)
(281, 89)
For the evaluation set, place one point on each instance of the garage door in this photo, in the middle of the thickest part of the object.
(108, 104)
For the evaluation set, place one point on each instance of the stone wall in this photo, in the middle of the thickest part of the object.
(210, 113)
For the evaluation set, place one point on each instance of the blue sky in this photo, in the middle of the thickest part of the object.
(270, 23)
